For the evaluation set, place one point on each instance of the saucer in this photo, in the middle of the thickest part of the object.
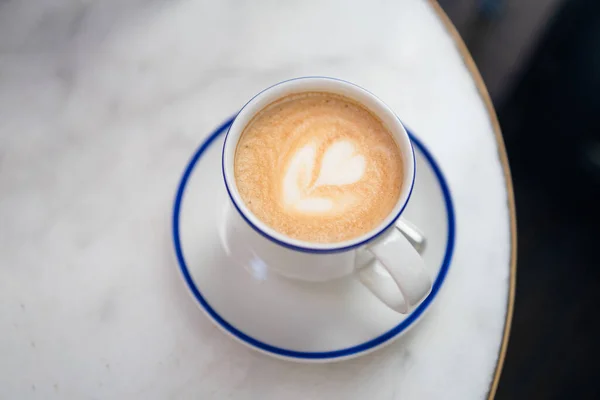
(287, 318)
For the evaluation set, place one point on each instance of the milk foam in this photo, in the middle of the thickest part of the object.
(339, 166)
(318, 167)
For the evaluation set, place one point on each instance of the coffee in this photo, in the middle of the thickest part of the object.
(318, 167)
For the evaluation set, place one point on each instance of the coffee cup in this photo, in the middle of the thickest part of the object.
(382, 258)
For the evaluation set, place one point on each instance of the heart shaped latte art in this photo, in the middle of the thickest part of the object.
(339, 166)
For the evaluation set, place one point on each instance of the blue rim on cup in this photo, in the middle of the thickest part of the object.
(316, 248)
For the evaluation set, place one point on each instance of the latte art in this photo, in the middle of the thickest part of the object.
(318, 167)
(338, 167)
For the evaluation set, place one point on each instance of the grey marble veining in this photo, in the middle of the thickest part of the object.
(101, 105)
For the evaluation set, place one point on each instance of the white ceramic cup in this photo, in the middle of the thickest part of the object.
(247, 238)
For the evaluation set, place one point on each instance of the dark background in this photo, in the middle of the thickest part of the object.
(541, 62)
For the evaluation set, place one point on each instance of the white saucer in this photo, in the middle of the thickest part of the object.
(287, 318)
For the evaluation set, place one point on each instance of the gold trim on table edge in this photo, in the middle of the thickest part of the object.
(483, 93)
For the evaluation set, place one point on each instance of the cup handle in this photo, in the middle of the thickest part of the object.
(409, 283)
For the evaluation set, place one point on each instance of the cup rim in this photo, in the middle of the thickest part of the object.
(314, 247)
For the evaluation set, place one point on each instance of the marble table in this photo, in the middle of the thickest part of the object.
(101, 105)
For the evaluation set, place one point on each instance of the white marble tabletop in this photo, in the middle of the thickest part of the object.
(102, 102)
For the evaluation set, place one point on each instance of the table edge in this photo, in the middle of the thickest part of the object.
(485, 97)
